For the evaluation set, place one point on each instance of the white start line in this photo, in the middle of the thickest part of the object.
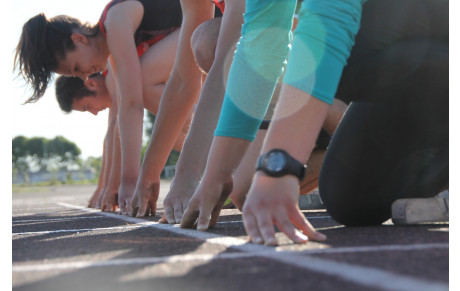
(366, 276)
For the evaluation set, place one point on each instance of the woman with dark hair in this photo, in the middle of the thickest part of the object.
(43, 43)
(66, 46)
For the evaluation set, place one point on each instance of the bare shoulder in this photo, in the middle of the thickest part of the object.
(127, 13)
(191, 7)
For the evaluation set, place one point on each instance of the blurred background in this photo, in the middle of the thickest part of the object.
(48, 145)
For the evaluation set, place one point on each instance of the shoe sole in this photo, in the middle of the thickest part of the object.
(420, 210)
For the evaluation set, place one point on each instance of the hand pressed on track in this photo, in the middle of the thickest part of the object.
(144, 200)
(206, 203)
(177, 199)
(273, 201)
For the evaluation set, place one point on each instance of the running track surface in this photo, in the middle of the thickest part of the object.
(59, 244)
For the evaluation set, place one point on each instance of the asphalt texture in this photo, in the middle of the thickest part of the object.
(59, 244)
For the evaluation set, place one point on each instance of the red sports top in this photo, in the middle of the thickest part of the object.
(220, 4)
(164, 17)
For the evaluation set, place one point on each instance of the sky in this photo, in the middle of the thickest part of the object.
(44, 118)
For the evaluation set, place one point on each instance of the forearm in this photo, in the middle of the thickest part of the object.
(114, 177)
(152, 104)
(103, 170)
(109, 145)
(296, 107)
(130, 128)
(179, 144)
(168, 125)
(180, 93)
(125, 62)
(225, 156)
(192, 160)
(130, 119)
(198, 142)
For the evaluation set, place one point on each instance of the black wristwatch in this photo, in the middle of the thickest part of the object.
(278, 163)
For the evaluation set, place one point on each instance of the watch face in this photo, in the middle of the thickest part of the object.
(275, 161)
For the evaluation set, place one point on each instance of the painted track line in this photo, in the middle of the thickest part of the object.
(380, 248)
(78, 230)
(55, 212)
(367, 276)
(56, 219)
(33, 208)
(338, 250)
(364, 249)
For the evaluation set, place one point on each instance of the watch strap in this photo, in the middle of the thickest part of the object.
(292, 167)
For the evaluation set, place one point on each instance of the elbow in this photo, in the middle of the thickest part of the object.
(186, 86)
(133, 105)
(131, 113)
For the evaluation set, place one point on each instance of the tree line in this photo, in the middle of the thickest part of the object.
(39, 153)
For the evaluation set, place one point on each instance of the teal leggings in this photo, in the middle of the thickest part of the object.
(323, 41)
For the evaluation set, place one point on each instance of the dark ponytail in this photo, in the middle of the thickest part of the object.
(42, 44)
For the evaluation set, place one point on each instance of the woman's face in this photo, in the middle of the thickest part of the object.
(83, 61)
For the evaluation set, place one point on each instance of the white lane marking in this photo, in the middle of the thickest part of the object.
(34, 208)
(63, 211)
(380, 248)
(18, 203)
(57, 219)
(319, 217)
(366, 276)
(230, 242)
(79, 230)
(129, 261)
(142, 223)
